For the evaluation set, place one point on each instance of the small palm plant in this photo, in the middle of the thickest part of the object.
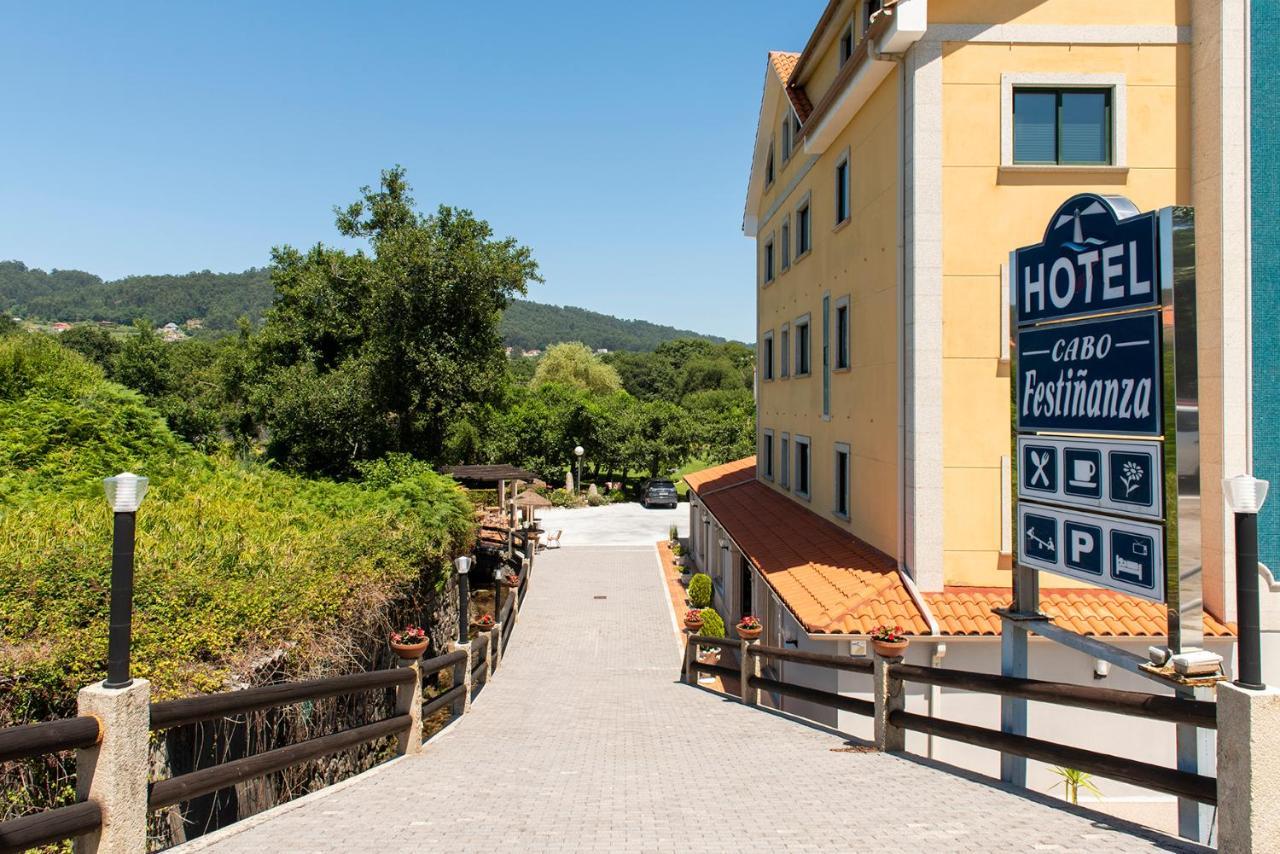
(1073, 779)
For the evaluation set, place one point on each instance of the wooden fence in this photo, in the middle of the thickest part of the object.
(471, 666)
(887, 709)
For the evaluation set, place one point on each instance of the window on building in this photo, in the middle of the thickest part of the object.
(1062, 126)
(784, 455)
(826, 355)
(766, 454)
(846, 44)
(786, 137)
(802, 347)
(871, 8)
(841, 507)
(766, 356)
(768, 167)
(842, 333)
(786, 243)
(785, 351)
(802, 466)
(842, 190)
(804, 239)
(768, 261)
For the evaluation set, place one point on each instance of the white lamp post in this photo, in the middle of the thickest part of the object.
(462, 563)
(578, 452)
(124, 493)
(1246, 494)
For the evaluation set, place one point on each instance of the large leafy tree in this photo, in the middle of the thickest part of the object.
(573, 364)
(367, 353)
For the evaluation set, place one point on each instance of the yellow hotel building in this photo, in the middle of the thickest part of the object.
(898, 158)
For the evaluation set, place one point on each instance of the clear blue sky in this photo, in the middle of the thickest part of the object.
(612, 138)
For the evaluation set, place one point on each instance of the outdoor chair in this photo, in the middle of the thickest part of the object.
(553, 540)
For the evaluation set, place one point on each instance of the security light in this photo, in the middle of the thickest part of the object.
(1245, 493)
(578, 451)
(125, 491)
(462, 563)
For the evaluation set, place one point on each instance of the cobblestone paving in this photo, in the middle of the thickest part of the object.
(585, 741)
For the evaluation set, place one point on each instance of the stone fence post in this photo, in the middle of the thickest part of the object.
(409, 701)
(749, 666)
(1248, 768)
(114, 772)
(464, 704)
(889, 698)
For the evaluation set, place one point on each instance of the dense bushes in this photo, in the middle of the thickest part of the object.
(712, 624)
(700, 590)
(234, 560)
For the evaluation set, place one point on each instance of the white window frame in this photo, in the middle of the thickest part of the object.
(849, 32)
(1053, 80)
(847, 163)
(805, 204)
(784, 457)
(806, 321)
(796, 443)
(784, 237)
(841, 448)
(784, 351)
(771, 457)
(787, 137)
(842, 303)
(770, 165)
(768, 368)
(768, 260)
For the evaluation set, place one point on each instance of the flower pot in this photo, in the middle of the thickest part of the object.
(410, 651)
(749, 634)
(481, 627)
(709, 655)
(694, 626)
(887, 649)
(511, 583)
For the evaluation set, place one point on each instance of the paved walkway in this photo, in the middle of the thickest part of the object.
(585, 741)
(626, 524)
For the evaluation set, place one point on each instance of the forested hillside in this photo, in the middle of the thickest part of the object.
(536, 326)
(219, 300)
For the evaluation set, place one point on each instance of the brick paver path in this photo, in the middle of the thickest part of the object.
(586, 741)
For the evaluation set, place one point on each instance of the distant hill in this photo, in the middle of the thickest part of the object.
(535, 326)
(220, 299)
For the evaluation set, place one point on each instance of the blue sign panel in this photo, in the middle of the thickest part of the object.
(1121, 554)
(1098, 255)
(1096, 376)
(1112, 475)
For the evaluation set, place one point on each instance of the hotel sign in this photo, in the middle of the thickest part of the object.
(1090, 365)
(1093, 376)
(1098, 255)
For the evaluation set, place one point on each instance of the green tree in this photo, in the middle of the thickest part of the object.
(572, 364)
(709, 373)
(97, 345)
(142, 362)
(365, 354)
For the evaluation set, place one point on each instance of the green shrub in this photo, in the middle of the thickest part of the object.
(700, 590)
(674, 534)
(712, 624)
(595, 499)
(616, 496)
(564, 498)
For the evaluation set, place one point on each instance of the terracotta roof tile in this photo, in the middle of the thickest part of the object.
(830, 580)
(1102, 613)
(784, 65)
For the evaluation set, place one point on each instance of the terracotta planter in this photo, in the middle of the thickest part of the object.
(885, 649)
(694, 626)
(709, 655)
(410, 651)
(511, 583)
(480, 627)
(749, 634)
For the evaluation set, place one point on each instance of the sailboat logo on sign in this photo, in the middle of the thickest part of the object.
(1098, 254)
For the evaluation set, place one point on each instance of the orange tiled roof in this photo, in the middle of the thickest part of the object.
(1101, 613)
(830, 580)
(718, 477)
(784, 65)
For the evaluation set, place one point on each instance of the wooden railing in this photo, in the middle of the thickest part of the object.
(471, 666)
(53, 825)
(887, 707)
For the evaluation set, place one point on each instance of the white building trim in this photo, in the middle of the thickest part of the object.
(1031, 80)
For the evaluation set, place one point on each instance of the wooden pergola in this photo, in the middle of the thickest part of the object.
(490, 477)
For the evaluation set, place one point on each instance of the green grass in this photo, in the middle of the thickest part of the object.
(682, 488)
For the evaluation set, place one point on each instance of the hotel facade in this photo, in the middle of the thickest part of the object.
(898, 159)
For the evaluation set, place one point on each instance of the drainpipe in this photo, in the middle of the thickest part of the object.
(935, 691)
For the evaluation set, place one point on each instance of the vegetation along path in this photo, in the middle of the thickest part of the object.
(586, 741)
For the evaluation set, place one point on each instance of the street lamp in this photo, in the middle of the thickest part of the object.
(578, 452)
(124, 493)
(1245, 494)
(462, 563)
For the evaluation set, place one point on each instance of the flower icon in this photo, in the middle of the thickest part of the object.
(1131, 477)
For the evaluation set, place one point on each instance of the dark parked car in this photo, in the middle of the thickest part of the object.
(658, 493)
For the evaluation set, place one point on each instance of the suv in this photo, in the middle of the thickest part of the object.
(658, 493)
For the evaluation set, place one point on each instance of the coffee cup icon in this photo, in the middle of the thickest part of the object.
(1083, 472)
